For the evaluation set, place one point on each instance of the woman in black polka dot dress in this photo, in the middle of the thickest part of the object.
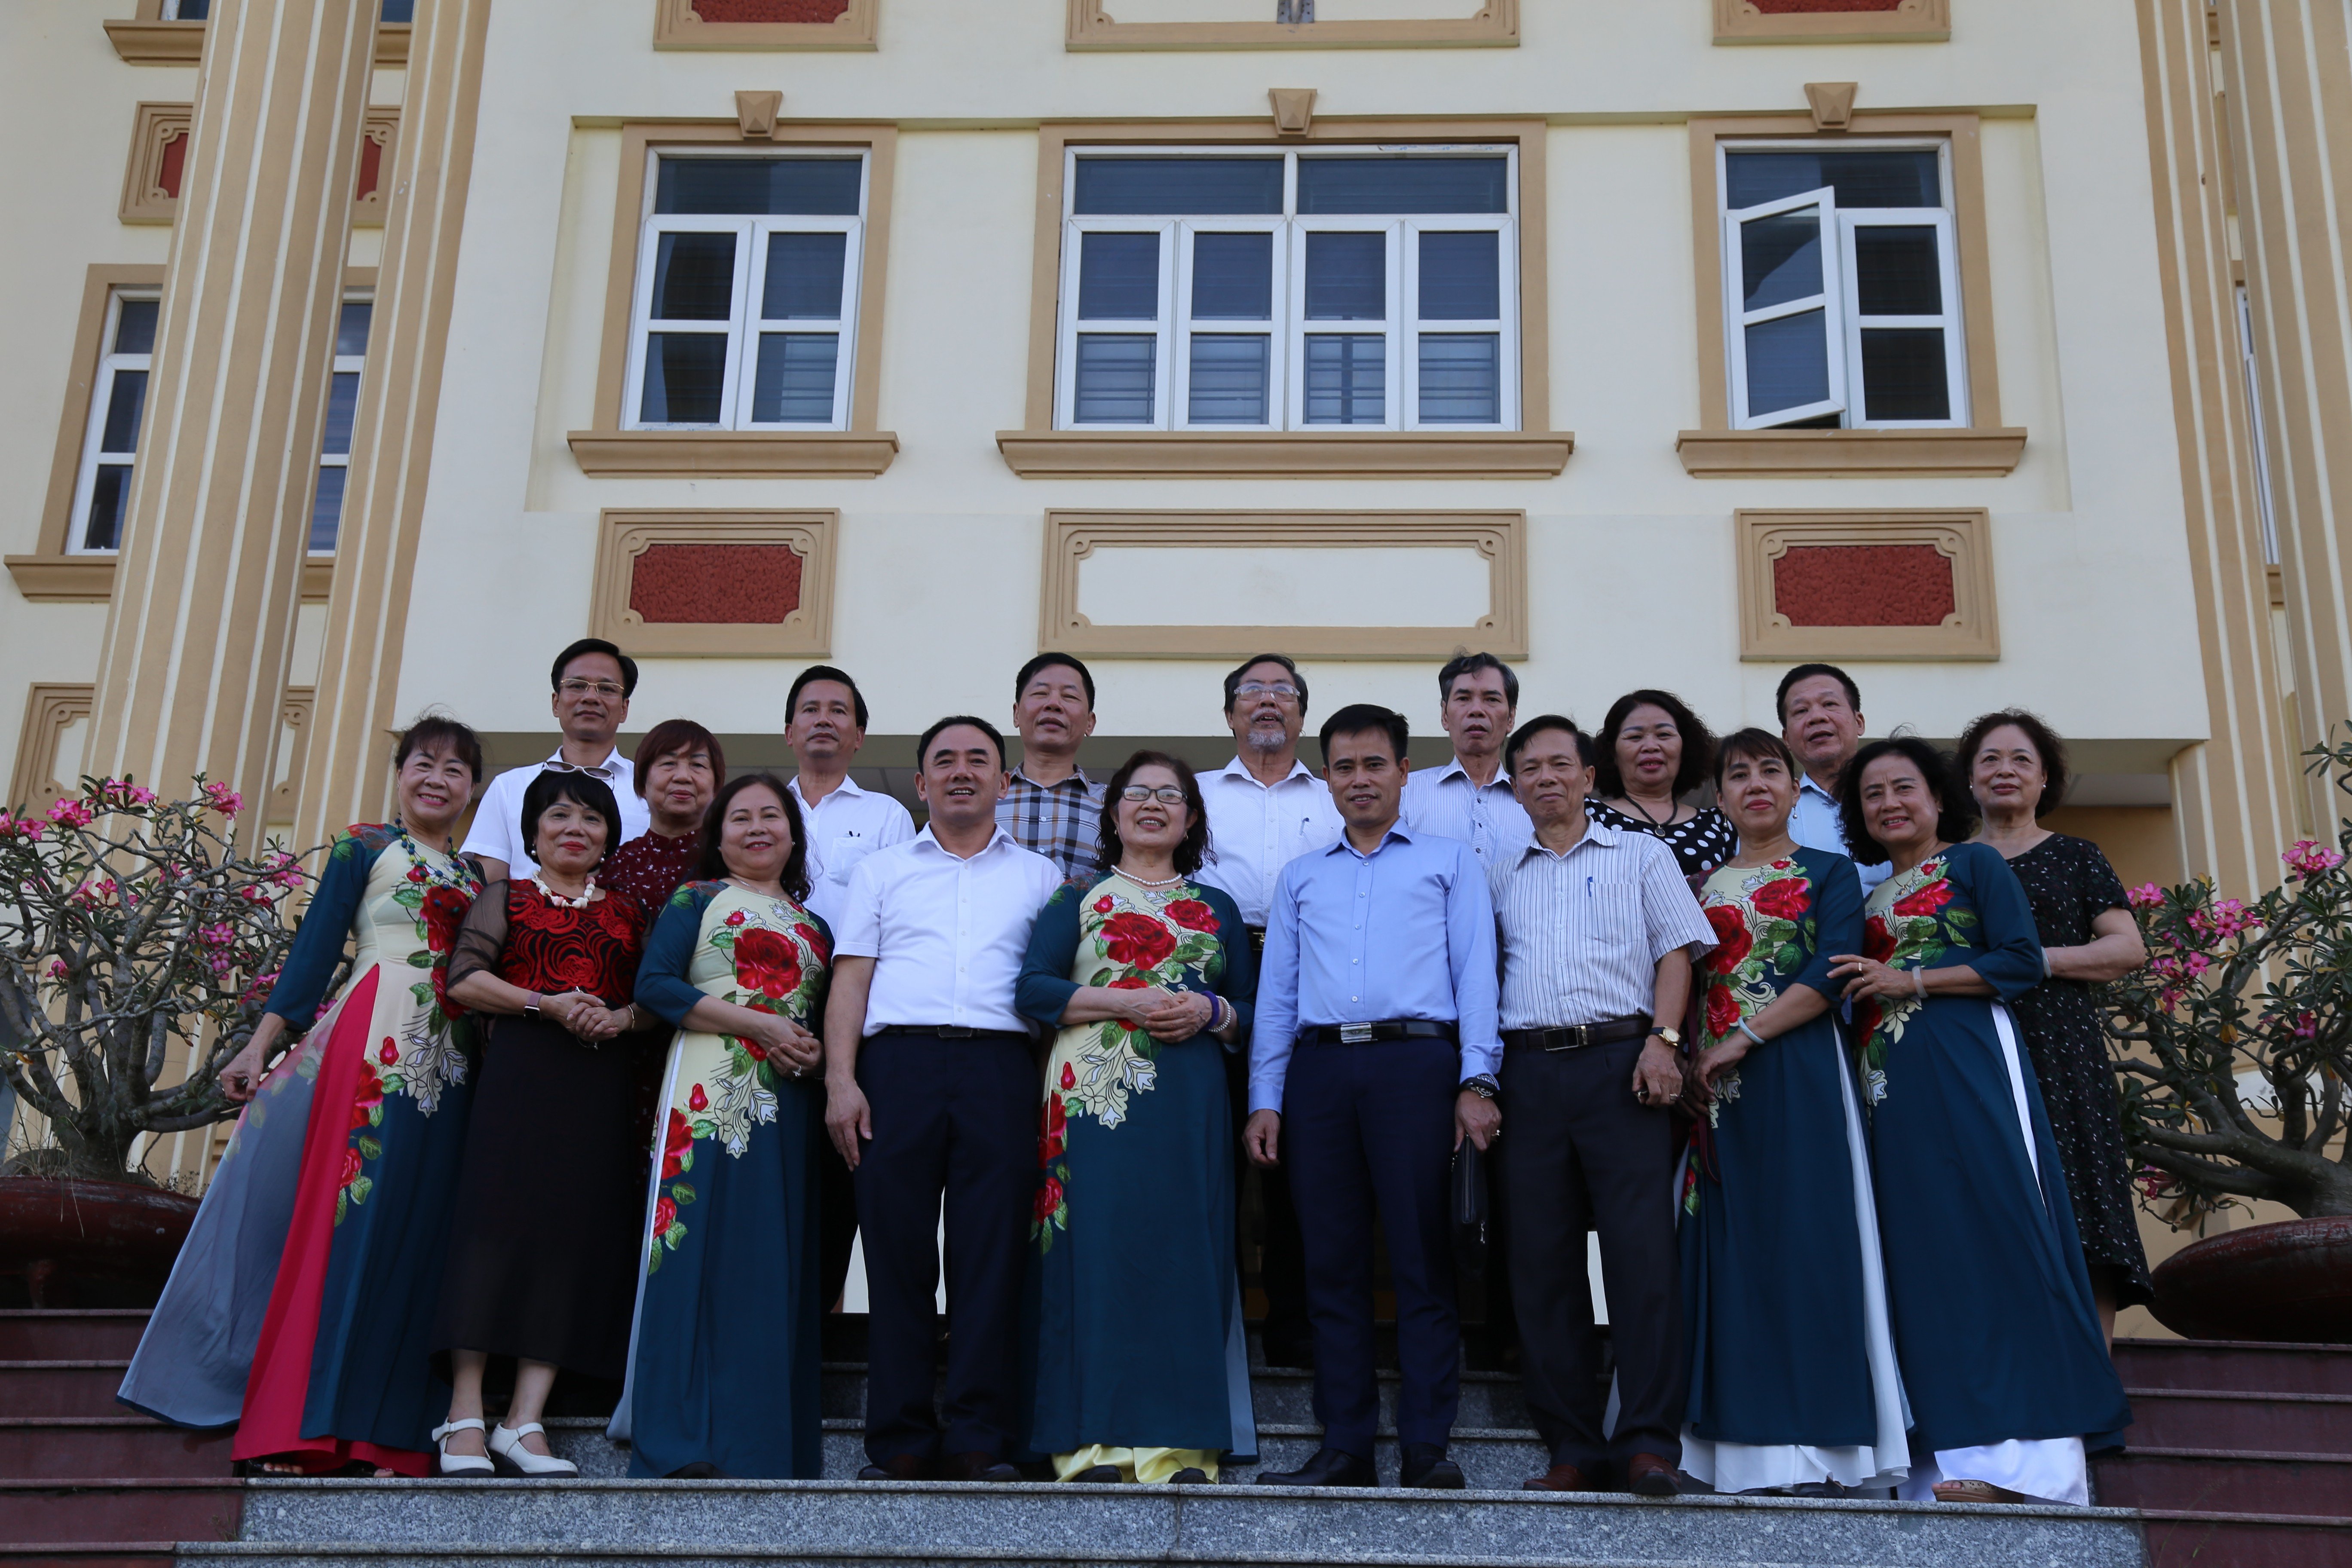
(1653, 751)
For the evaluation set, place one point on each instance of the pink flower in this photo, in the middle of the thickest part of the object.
(57, 969)
(223, 799)
(2309, 857)
(71, 813)
(19, 827)
(122, 794)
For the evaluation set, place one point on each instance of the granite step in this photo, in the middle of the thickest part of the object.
(2245, 1422)
(69, 1447)
(86, 1554)
(688, 1524)
(29, 1388)
(2220, 1480)
(2236, 1366)
(45, 1513)
(32, 1335)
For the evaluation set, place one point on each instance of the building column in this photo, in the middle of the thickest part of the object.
(193, 672)
(344, 777)
(2287, 77)
(2232, 797)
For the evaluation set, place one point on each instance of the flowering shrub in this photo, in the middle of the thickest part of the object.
(2238, 1035)
(135, 934)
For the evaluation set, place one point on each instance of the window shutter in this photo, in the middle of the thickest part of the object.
(1785, 306)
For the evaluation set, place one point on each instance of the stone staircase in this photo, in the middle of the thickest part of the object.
(2242, 1457)
(2242, 1454)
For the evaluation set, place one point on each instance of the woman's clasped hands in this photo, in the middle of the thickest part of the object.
(1164, 1015)
(787, 1046)
(585, 1015)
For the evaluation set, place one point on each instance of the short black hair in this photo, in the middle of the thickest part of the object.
(1698, 742)
(1463, 664)
(438, 729)
(817, 672)
(586, 645)
(1750, 744)
(1195, 846)
(2053, 751)
(923, 746)
(1955, 816)
(1535, 726)
(1357, 718)
(714, 826)
(554, 785)
(1806, 672)
(671, 738)
(1047, 660)
(1234, 678)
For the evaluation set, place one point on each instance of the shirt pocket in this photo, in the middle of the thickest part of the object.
(1612, 911)
(838, 855)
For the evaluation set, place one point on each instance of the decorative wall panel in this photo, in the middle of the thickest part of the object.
(1865, 585)
(716, 585)
(1831, 21)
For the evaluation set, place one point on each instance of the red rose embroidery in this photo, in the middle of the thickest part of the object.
(359, 1115)
(751, 1048)
(351, 1166)
(767, 964)
(1784, 899)
(664, 1214)
(387, 1052)
(1722, 1011)
(1103, 905)
(697, 1099)
(1049, 1199)
(736, 918)
(417, 873)
(679, 1139)
(1136, 940)
(1731, 939)
(1193, 914)
(1069, 1076)
(1877, 942)
(1927, 900)
(1867, 1016)
(1053, 1125)
(370, 1088)
(443, 910)
(816, 940)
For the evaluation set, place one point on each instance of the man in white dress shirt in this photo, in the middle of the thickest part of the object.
(931, 1093)
(593, 681)
(1470, 797)
(1821, 720)
(1265, 809)
(825, 727)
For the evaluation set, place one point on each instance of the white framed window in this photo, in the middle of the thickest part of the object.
(745, 315)
(342, 404)
(1373, 288)
(1842, 287)
(117, 404)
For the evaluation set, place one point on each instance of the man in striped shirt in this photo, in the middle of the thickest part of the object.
(1596, 930)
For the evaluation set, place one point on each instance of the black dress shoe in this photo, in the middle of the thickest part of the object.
(1190, 1476)
(1426, 1466)
(700, 1470)
(1329, 1467)
(977, 1466)
(1289, 1350)
(898, 1468)
(1099, 1473)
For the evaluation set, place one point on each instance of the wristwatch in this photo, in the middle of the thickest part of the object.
(1485, 1086)
(1673, 1037)
(531, 1003)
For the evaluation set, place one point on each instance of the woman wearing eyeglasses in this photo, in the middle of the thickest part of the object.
(1139, 1369)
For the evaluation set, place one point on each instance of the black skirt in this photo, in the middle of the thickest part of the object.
(549, 1210)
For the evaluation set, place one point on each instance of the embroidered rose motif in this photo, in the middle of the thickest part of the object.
(1731, 939)
(816, 940)
(1136, 940)
(680, 1138)
(350, 1167)
(1784, 899)
(1069, 1076)
(1722, 1011)
(664, 1214)
(1925, 901)
(1877, 942)
(443, 910)
(387, 1052)
(1194, 914)
(767, 964)
(735, 917)
(1049, 1201)
(1053, 1124)
(697, 1099)
(1103, 905)
(417, 873)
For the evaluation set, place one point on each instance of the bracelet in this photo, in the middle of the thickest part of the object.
(1750, 1033)
(1919, 984)
(1221, 1013)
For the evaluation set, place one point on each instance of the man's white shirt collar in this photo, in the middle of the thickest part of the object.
(1598, 833)
(846, 786)
(1397, 830)
(1453, 769)
(1240, 770)
(998, 837)
(614, 763)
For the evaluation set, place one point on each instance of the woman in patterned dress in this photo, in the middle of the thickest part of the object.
(1653, 751)
(723, 1376)
(2002, 1357)
(1140, 1371)
(2017, 770)
(541, 1253)
(300, 1304)
(1793, 1387)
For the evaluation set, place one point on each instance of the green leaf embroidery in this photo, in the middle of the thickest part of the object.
(420, 961)
(680, 1193)
(371, 1149)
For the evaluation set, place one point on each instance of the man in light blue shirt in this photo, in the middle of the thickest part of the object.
(1373, 1055)
(1470, 797)
(1821, 720)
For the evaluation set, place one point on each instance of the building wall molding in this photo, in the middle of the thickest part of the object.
(733, 454)
(1850, 454)
(1879, 543)
(1092, 26)
(50, 710)
(146, 38)
(1499, 538)
(722, 614)
(1286, 454)
(159, 133)
(679, 24)
(1812, 22)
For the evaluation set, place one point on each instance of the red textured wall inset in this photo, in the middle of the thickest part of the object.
(1863, 585)
(370, 168)
(770, 10)
(174, 166)
(716, 585)
(1797, 7)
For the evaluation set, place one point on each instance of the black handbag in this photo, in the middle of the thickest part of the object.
(1468, 1209)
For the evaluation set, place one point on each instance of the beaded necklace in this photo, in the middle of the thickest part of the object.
(458, 877)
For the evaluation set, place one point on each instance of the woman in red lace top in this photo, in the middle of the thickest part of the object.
(542, 1254)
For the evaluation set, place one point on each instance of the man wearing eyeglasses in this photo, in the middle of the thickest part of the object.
(1265, 809)
(593, 681)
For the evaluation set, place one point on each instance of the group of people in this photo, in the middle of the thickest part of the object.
(611, 1090)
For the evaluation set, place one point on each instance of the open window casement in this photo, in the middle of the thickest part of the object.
(1904, 361)
(1787, 306)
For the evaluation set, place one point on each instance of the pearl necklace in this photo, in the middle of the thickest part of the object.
(1147, 882)
(558, 901)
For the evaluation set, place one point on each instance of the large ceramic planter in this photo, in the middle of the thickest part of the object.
(76, 1241)
(2289, 1281)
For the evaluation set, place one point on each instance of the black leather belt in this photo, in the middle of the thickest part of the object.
(1576, 1036)
(1363, 1034)
(949, 1032)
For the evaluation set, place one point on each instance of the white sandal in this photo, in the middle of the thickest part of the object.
(462, 1464)
(507, 1443)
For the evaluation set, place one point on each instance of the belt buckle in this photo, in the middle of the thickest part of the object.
(1355, 1033)
(1575, 1041)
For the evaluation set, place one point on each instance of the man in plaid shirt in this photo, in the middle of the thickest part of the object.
(1050, 805)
